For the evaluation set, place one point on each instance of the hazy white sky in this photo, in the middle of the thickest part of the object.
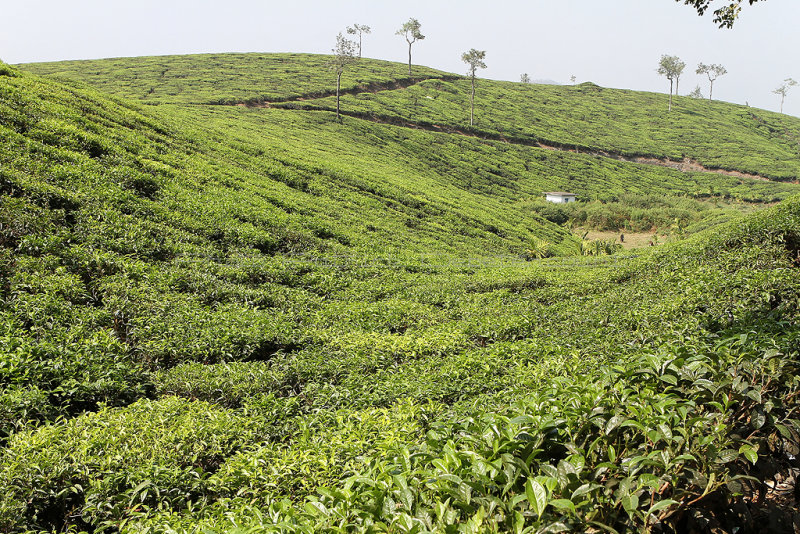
(614, 43)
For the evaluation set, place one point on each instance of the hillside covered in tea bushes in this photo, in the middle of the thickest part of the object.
(255, 318)
(582, 117)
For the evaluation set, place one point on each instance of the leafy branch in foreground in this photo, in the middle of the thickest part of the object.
(724, 16)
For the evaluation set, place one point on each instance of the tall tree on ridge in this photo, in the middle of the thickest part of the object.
(343, 55)
(358, 29)
(679, 66)
(473, 58)
(783, 89)
(524, 78)
(671, 67)
(411, 31)
(713, 72)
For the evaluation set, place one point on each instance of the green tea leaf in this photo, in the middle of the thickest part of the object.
(661, 505)
(537, 496)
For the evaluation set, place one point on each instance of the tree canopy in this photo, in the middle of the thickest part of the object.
(359, 29)
(344, 54)
(411, 31)
(713, 72)
(724, 16)
(783, 89)
(474, 59)
(671, 67)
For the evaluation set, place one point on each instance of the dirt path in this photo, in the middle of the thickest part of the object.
(685, 165)
(631, 241)
(373, 87)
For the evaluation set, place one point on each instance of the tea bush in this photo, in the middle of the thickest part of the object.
(104, 465)
(220, 317)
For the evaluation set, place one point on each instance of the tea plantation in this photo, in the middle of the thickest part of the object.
(221, 318)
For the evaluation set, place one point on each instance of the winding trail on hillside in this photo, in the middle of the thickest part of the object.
(372, 87)
(685, 165)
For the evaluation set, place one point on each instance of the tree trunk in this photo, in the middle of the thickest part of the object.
(711, 90)
(472, 103)
(409, 59)
(338, 84)
(782, 97)
(359, 45)
(670, 95)
(677, 81)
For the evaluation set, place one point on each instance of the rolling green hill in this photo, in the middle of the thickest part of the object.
(593, 119)
(629, 196)
(220, 317)
(228, 78)
(585, 117)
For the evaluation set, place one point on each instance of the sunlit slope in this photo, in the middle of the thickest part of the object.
(516, 172)
(234, 318)
(629, 123)
(228, 78)
(207, 233)
(591, 118)
(454, 170)
(370, 175)
(133, 241)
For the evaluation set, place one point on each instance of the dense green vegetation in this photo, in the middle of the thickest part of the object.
(228, 78)
(599, 122)
(218, 318)
(586, 116)
(592, 118)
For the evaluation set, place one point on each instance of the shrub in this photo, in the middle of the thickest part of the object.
(8, 70)
(226, 384)
(555, 213)
(101, 466)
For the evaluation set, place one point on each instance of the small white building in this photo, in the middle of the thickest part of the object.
(560, 197)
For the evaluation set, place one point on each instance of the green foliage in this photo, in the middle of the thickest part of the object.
(598, 121)
(725, 16)
(8, 70)
(225, 78)
(218, 318)
(228, 384)
(599, 247)
(103, 466)
(640, 212)
(539, 248)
